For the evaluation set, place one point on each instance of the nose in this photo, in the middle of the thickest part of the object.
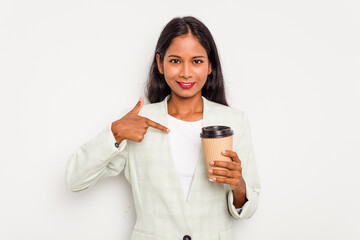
(186, 71)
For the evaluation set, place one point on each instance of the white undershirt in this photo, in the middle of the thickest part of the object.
(185, 144)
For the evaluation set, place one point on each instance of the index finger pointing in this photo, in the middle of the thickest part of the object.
(157, 125)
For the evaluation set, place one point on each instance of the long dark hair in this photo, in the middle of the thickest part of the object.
(214, 88)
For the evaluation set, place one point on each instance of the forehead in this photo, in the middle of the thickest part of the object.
(186, 45)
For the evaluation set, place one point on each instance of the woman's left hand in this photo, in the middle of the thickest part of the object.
(233, 172)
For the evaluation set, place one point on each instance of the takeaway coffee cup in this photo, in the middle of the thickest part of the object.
(215, 139)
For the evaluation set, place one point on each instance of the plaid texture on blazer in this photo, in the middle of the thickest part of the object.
(161, 207)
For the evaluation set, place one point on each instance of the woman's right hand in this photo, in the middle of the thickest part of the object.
(132, 126)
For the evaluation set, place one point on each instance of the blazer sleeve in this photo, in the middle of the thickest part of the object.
(95, 159)
(246, 154)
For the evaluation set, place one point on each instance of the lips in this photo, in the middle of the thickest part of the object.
(185, 82)
(186, 85)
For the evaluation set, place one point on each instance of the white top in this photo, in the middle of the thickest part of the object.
(185, 147)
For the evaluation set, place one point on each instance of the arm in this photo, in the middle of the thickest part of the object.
(249, 172)
(95, 159)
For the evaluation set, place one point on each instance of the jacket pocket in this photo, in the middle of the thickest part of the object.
(227, 234)
(139, 234)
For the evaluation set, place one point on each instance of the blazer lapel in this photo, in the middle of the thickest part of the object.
(200, 169)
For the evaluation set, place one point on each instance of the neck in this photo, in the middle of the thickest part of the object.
(185, 108)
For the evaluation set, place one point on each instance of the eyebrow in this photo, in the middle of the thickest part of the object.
(180, 57)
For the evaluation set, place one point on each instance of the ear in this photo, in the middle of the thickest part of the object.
(159, 64)
(210, 69)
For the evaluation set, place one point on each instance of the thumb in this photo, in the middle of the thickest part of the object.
(138, 106)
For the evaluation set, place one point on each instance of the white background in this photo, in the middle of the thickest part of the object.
(68, 68)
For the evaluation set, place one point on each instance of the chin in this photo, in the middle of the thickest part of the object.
(188, 94)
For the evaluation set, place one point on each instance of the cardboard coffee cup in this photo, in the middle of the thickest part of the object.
(215, 139)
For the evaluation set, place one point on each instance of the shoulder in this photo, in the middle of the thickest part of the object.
(225, 110)
(147, 107)
(151, 108)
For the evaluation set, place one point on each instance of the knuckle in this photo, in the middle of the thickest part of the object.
(221, 179)
(139, 138)
(221, 163)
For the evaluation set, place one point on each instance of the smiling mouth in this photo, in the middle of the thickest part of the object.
(186, 84)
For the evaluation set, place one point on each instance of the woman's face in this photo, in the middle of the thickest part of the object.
(185, 61)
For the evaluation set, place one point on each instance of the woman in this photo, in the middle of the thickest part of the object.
(173, 197)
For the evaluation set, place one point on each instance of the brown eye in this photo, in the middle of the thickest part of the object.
(172, 60)
(199, 61)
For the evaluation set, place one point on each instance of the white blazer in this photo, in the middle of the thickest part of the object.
(162, 212)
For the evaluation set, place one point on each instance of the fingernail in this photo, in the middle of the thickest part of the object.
(212, 163)
(168, 130)
(211, 171)
(223, 151)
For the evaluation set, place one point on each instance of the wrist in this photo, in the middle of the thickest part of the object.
(116, 133)
(240, 195)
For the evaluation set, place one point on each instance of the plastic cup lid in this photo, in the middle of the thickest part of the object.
(216, 132)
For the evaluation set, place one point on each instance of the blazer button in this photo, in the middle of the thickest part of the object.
(186, 237)
(116, 145)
